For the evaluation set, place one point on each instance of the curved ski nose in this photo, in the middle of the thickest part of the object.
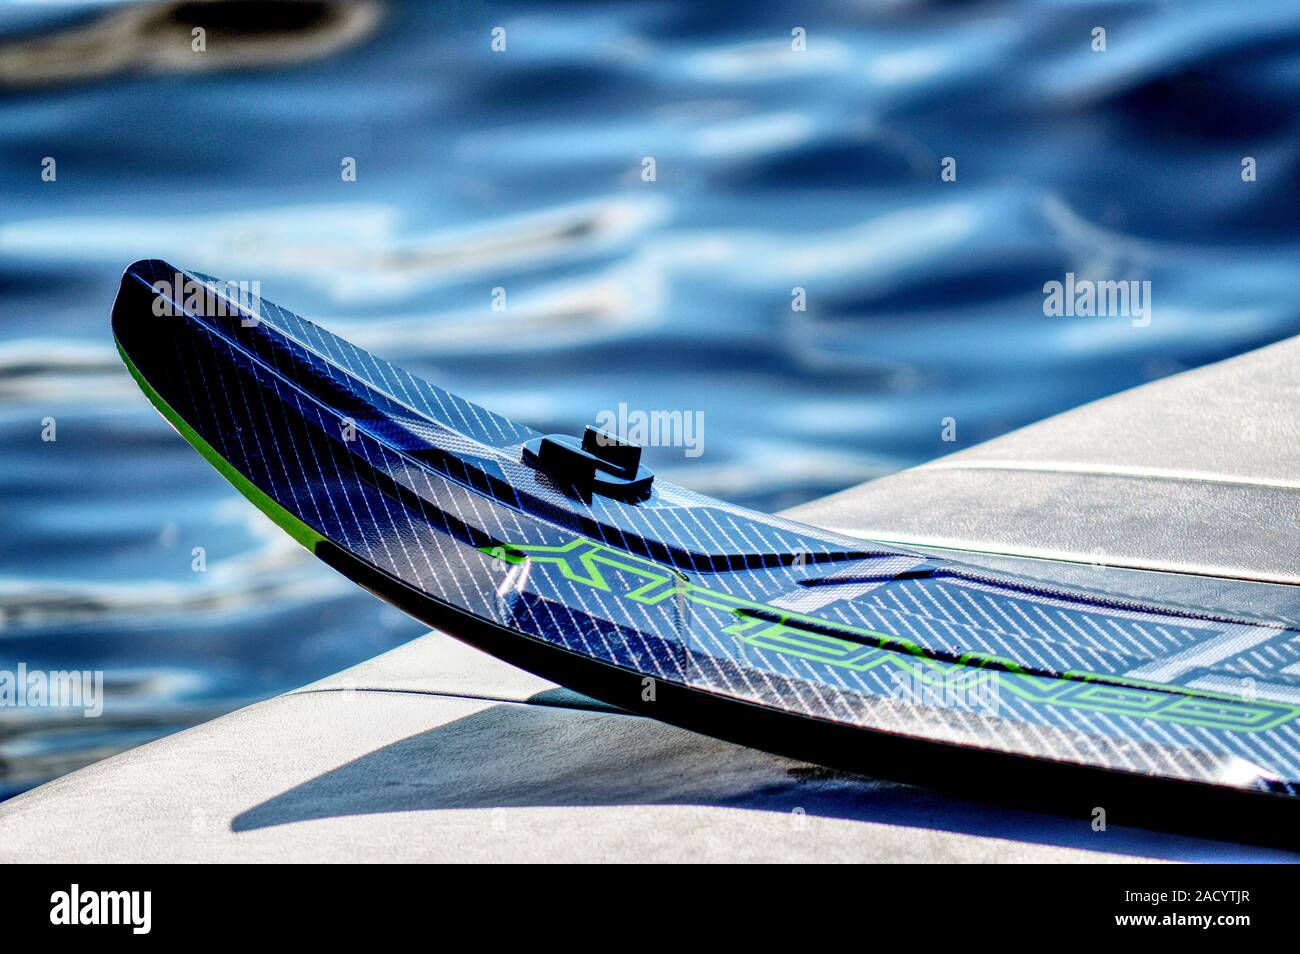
(186, 333)
(160, 309)
(152, 291)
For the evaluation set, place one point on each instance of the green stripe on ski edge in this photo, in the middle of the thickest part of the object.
(286, 521)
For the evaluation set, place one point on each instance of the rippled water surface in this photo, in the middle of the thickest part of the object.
(522, 170)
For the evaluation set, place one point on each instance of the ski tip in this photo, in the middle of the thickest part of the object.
(144, 267)
(153, 289)
(138, 291)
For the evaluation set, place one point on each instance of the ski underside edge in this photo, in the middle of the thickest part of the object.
(750, 627)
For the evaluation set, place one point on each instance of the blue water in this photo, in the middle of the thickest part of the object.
(522, 170)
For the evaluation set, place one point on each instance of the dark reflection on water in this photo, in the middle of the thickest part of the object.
(522, 170)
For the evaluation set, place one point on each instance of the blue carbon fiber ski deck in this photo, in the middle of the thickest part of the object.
(750, 626)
